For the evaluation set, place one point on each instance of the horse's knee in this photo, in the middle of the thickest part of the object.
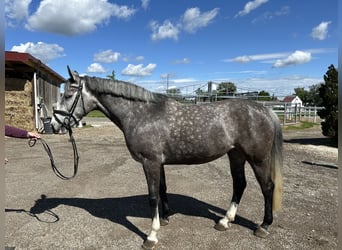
(153, 200)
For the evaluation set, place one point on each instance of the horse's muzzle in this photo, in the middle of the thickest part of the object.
(56, 126)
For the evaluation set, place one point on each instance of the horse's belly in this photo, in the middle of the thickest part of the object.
(194, 153)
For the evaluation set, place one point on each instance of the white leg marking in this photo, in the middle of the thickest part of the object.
(230, 215)
(155, 227)
(232, 211)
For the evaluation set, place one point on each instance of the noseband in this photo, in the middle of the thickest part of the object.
(69, 115)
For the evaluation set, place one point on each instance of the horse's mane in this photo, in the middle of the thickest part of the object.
(123, 89)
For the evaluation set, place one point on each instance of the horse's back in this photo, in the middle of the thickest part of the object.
(207, 131)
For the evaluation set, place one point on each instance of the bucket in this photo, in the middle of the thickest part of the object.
(47, 125)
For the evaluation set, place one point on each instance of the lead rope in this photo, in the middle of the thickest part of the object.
(33, 141)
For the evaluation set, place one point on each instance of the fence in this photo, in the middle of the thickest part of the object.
(290, 113)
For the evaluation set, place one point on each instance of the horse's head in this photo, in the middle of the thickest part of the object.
(74, 103)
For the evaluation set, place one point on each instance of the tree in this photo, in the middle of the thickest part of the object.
(329, 94)
(226, 88)
(199, 92)
(112, 76)
(264, 96)
(311, 97)
(302, 94)
(314, 98)
(173, 91)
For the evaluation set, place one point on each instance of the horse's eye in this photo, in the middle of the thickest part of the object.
(67, 96)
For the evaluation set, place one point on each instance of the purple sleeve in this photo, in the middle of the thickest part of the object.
(15, 132)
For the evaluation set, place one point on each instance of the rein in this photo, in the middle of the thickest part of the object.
(66, 123)
(32, 142)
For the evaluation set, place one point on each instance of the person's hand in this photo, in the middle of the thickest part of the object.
(33, 135)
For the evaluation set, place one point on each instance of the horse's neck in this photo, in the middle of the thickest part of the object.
(121, 111)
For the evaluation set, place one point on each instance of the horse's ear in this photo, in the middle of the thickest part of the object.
(70, 73)
(73, 75)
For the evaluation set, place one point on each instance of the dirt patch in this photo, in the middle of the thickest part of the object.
(106, 207)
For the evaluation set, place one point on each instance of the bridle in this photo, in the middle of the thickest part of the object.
(70, 115)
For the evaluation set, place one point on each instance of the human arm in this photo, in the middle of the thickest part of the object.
(19, 133)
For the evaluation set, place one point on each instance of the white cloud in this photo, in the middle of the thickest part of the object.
(242, 59)
(132, 58)
(320, 32)
(248, 72)
(268, 15)
(16, 10)
(321, 50)
(70, 17)
(43, 51)
(139, 70)
(298, 57)
(278, 86)
(95, 68)
(107, 56)
(190, 22)
(164, 31)
(193, 19)
(164, 75)
(123, 11)
(184, 80)
(257, 57)
(139, 58)
(144, 4)
(281, 59)
(251, 5)
(183, 61)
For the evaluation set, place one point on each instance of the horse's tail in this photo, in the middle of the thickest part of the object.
(277, 164)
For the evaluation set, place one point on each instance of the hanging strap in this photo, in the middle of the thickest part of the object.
(33, 141)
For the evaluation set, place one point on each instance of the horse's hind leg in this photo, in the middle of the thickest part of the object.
(262, 172)
(237, 167)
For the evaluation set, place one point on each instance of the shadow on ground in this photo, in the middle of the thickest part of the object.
(118, 209)
(317, 141)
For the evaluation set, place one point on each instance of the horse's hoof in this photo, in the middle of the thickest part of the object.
(149, 245)
(261, 232)
(164, 221)
(220, 227)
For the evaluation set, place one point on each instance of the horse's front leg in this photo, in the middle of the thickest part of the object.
(163, 197)
(152, 173)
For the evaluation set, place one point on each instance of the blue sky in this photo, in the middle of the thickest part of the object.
(258, 45)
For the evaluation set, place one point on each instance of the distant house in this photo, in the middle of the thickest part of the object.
(293, 100)
(293, 106)
(31, 90)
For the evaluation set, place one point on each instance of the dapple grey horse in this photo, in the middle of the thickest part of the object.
(159, 130)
